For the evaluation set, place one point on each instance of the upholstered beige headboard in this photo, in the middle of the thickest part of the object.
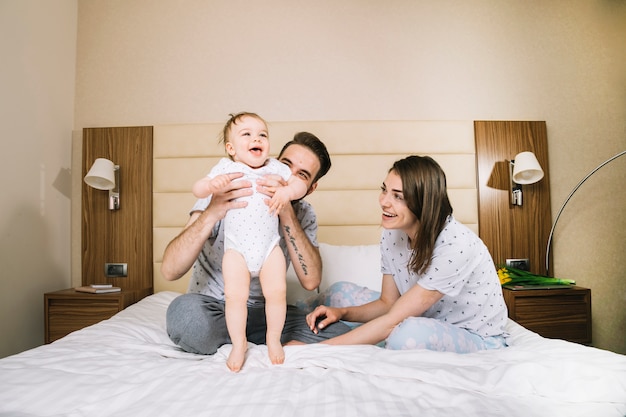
(346, 200)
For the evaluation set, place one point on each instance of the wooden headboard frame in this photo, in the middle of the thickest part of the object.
(346, 200)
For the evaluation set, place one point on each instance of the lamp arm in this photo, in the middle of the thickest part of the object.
(567, 200)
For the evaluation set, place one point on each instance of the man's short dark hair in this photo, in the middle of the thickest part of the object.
(316, 146)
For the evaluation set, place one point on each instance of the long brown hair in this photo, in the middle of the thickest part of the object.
(425, 193)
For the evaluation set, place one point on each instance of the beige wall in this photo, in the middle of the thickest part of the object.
(562, 61)
(37, 73)
(141, 62)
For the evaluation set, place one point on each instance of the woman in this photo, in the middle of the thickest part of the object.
(440, 288)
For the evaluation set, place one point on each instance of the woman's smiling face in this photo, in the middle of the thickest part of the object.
(396, 214)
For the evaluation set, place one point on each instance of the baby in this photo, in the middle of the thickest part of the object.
(251, 234)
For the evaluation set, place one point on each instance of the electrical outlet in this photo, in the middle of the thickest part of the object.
(521, 263)
(113, 270)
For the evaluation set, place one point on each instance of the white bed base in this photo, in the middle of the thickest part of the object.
(127, 367)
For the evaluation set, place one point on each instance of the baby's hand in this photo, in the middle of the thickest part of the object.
(202, 188)
(280, 198)
(219, 183)
(206, 186)
(269, 183)
(294, 190)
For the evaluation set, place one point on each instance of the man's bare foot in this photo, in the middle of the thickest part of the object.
(276, 352)
(237, 357)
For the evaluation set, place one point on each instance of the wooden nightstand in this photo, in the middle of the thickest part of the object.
(68, 310)
(553, 313)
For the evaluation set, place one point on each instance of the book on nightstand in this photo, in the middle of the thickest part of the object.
(98, 289)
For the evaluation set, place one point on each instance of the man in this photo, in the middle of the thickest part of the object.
(196, 320)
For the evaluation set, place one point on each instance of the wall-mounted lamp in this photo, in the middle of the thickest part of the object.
(105, 175)
(524, 169)
(567, 200)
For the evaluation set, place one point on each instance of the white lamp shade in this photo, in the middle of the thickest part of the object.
(101, 175)
(527, 169)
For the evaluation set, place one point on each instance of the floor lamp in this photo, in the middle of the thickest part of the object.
(567, 200)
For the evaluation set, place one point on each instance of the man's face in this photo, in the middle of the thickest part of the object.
(303, 163)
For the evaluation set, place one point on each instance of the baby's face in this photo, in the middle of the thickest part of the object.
(248, 142)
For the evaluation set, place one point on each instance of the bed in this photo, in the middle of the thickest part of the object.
(127, 366)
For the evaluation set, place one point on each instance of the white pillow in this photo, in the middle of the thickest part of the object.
(359, 264)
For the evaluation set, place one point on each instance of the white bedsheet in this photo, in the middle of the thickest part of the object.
(127, 366)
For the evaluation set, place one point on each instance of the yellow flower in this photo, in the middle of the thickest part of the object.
(504, 276)
(520, 277)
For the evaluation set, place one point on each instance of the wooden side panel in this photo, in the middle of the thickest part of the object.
(124, 235)
(512, 231)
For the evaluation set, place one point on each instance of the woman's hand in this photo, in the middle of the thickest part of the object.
(323, 316)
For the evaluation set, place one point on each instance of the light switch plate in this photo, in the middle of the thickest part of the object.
(520, 263)
(113, 270)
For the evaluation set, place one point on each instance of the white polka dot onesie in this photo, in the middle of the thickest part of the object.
(251, 231)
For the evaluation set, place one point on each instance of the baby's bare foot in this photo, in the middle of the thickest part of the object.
(276, 352)
(236, 358)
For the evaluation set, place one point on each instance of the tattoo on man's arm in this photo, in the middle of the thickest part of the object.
(292, 241)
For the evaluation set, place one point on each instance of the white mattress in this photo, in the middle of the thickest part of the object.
(127, 366)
